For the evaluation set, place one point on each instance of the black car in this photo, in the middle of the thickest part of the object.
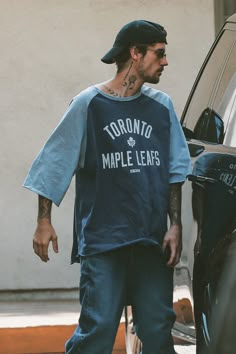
(209, 218)
(205, 273)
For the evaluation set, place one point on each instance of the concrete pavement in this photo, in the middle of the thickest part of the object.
(18, 314)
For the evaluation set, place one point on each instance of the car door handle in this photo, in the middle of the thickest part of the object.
(201, 179)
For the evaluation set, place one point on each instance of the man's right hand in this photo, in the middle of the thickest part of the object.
(44, 233)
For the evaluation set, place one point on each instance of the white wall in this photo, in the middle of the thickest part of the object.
(50, 50)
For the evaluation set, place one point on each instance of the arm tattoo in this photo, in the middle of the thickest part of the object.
(174, 209)
(44, 208)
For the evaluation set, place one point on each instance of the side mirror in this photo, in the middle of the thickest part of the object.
(188, 133)
(210, 127)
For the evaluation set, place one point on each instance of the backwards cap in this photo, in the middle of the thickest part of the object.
(134, 33)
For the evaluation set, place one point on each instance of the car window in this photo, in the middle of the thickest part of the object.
(224, 101)
(230, 134)
(210, 112)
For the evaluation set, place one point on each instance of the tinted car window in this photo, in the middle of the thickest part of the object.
(211, 108)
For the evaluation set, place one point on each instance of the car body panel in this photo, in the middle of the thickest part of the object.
(209, 196)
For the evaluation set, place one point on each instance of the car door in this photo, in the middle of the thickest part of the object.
(209, 197)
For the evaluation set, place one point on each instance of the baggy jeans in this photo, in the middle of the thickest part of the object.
(135, 275)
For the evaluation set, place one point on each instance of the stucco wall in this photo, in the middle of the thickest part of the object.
(50, 50)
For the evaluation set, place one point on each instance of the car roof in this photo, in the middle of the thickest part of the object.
(232, 18)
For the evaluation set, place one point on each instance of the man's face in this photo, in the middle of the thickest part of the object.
(151, 65)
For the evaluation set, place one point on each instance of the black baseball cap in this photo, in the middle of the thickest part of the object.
(135, 32)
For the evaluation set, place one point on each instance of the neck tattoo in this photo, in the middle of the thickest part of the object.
(129, 81)
(110, 91)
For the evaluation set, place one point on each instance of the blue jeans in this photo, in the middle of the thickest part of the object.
(134, 275)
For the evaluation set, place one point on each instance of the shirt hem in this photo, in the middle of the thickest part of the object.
(143, 241)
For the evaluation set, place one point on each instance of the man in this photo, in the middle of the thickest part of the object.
(123, 142)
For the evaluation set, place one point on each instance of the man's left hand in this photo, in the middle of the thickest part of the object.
(173, 241)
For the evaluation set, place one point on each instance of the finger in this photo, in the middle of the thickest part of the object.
(35, 247)
(164, 244)
(45, 257)
(171, 262)
(38, 251)
(42, 253)
(55, 246)
(176, 261)
(178, 255)
(177, 258)
(172, 259)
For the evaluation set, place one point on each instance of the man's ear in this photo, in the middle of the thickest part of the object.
(134, 53)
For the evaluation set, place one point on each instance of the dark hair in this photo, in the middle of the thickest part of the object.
(122, 59)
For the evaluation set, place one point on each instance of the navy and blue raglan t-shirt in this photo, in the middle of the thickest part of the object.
(124, 153)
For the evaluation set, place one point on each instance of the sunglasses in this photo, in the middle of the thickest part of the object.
(160, 53)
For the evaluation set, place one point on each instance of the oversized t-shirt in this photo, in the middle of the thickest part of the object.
(124, 153)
